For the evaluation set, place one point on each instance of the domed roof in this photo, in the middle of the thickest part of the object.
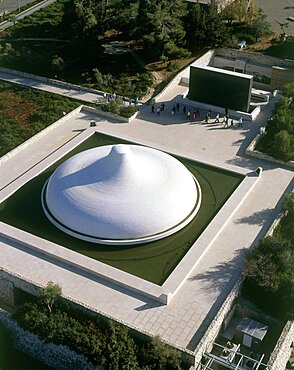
(121, 194)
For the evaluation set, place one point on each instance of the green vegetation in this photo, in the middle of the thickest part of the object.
(278, 140)
(116, 106)
(282, 48)
(102, 341)
(152, 32)
(269, 274)
(245, 23)
(11, 15)
(26, 111)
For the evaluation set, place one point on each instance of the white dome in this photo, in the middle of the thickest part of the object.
(121, 194)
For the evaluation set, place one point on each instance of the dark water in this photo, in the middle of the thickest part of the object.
(153, 261)
(13, 359)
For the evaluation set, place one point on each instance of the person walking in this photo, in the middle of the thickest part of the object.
(217, 118)
(226, 121)
(240, 122)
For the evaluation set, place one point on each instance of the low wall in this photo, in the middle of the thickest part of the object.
(31, 287)
(283, 348)
(281, 76)
(109, 115)
(216, 324)
(57, 356)
(215, 109)
(255, 57)
(53, 82)
(6, 291)
(254, 153)
(40, 134)
(205, 59)
(7, 23)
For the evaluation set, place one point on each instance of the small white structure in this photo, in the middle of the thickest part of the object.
(121, 194)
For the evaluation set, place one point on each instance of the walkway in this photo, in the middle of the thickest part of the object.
(26, 12)
(70, 91)
(185, 319)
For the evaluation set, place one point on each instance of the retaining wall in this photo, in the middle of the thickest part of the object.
(52, 82)
(40, 134)
(205, 59)
(283, 348)
(255, 57)
(15, 280)
(216, 324)
(59, 357)
(254, 153)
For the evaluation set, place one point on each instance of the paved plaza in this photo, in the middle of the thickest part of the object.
(278, 11)
(185, 319)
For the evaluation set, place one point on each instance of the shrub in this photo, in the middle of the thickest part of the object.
(269, 275)
(282, 146)
(102, 341)
(279, 138)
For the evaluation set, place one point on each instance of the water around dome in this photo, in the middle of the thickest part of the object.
(121, 194)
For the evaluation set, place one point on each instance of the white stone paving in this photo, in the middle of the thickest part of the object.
(183, 321)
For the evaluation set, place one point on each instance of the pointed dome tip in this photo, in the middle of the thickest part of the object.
(120, 149)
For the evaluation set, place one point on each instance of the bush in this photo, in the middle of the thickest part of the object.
(102, 341)
(279, 138)
(269, 275)
(282, 146)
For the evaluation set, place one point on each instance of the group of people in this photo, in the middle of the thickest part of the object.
(193, 115)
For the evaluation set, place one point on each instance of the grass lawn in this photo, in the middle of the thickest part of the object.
(25, 111)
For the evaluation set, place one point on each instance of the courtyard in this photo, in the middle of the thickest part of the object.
(184, 320)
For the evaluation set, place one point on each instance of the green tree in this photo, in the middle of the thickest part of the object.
(159, 356)
(205, 25)
(282, 146)
(235, 11)
(50, 294)
(159, 22)
(57, 64)
(121, 349)
(269, 275)
(260, 26)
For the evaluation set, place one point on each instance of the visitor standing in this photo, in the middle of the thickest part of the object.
(241, 122)
(226, 121)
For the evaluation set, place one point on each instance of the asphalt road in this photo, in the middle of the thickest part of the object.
(25, 13)
(278, 11)
(10, 5)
